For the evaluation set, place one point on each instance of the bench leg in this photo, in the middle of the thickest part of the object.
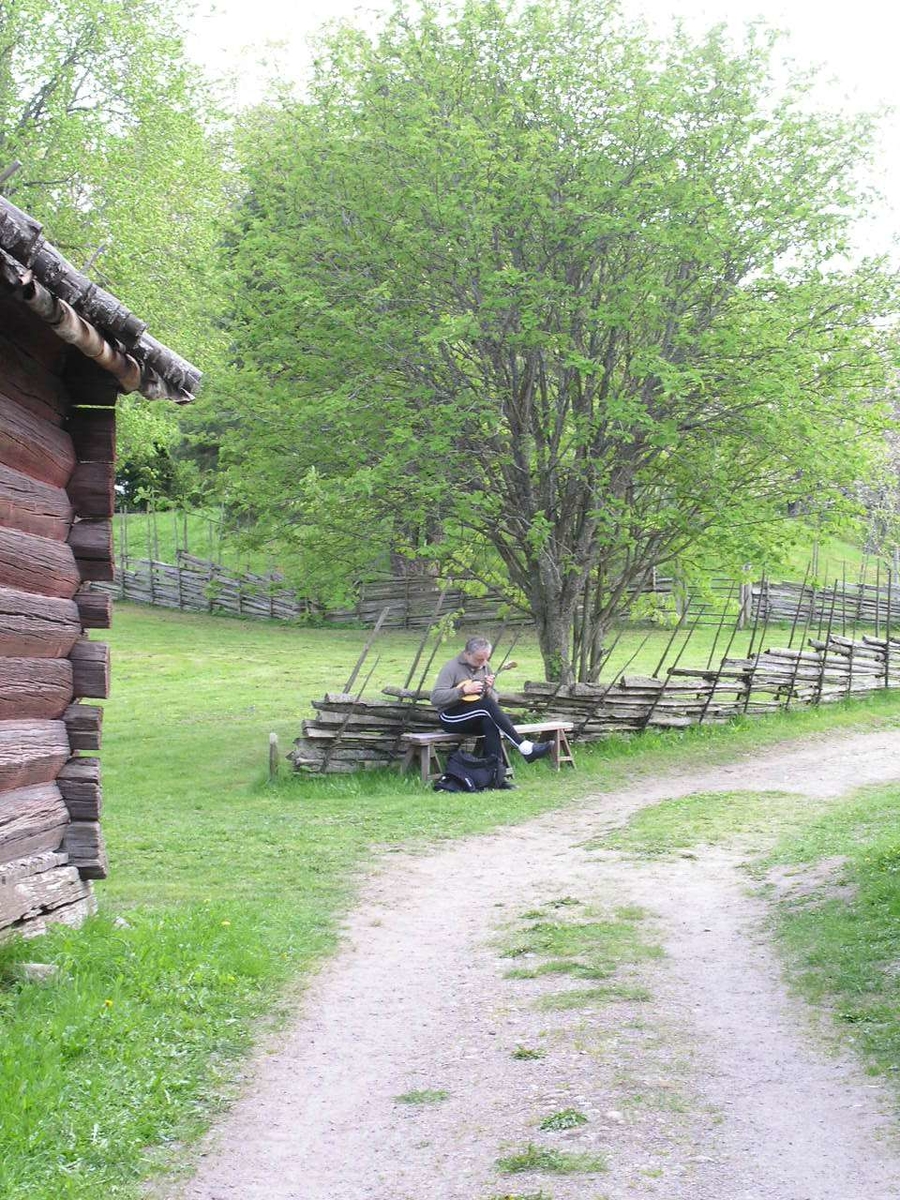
(557, 748)
(425, 762)
(564, 750)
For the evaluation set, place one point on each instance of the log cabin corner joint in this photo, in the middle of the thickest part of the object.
(67, 350)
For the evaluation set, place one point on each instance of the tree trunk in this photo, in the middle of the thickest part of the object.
(554, 615)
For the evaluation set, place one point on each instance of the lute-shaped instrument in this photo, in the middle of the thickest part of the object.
(478, 695)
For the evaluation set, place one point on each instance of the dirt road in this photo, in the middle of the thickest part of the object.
(703, 1079)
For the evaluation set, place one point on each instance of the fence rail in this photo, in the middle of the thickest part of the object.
(198, 585)
(349, 733)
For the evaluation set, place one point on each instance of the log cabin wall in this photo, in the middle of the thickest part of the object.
(57, 451)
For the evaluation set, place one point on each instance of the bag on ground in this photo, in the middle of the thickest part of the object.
(468, 773)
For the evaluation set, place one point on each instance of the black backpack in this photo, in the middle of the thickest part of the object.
(468, 773)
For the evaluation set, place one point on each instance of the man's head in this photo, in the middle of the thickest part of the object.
(477, 651)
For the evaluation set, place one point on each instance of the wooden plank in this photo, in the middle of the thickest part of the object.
(33, 507)
(32, 820)
(32, 445)
(95, 571)
(34, 687)
(29, 563)
(33, 626)
(88, 383)
(26, 383)
(32, 336)
(90, 669)
(92, 539)
(94, 608)
(31, 751)
(92, 489)
(84, 845)
(79, 784)
(84, 725)
(36, 897)
(93, 432)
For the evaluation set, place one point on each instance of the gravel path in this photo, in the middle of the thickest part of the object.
(713, 1087)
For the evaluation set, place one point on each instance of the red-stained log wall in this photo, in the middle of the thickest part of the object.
(57, 450)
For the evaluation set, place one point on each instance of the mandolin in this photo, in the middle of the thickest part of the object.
(477, 696)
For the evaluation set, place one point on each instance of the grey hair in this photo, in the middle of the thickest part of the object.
(474, 644)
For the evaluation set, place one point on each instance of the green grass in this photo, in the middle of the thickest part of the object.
(586, 997)
(541, 1195)
(232, 888)
(844, 951)
(160, 535)
(704, 818)
(568, 1118)
(423, 1096)
(554, 1162)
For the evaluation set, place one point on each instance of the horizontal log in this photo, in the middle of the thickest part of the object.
(31, 864)
(87, 853)
(31, 751)
(34, 687)
(33, 626)
(33, 507)
(27, 383)
(93, 432)
(94, 608)
(90, 669)
(41, 897)
(32, 821)
(31, 336)
(92, 489)
(33, 446)
(95, 570)
(29, 563)
(79, 784)
(84, 725)
(92, 539)
(88, 383)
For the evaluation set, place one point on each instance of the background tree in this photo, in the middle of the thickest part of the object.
(557, 291)
(122, 152)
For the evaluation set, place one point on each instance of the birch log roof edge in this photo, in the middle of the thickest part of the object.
(86, 316)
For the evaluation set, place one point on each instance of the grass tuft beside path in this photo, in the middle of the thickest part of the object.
(231, 889)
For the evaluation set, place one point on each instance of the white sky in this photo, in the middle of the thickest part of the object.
(856, 43)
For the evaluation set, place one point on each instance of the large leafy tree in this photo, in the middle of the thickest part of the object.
(551, 300)
(121, 152)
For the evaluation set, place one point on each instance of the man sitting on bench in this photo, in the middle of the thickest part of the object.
(467, 705)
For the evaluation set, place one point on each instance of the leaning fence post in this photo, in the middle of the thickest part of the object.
(273, 757)
(887, 633)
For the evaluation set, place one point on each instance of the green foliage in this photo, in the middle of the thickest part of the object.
(534, 293)
(113, 129)
(122, 152)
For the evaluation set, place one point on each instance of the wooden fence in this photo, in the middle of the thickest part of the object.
(199, 585)
(349, 732)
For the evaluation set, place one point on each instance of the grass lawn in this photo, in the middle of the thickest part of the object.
(226, 891)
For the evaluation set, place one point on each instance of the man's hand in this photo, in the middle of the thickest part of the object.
(472, 687)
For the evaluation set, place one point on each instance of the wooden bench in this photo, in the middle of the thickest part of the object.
(427, 747)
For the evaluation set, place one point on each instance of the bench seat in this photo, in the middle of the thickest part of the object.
(427, 747)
